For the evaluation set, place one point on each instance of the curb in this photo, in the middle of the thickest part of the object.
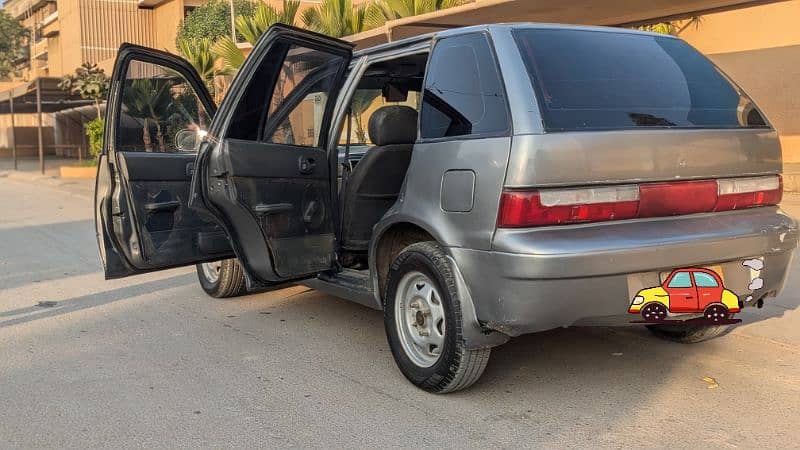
(26, 175)
(74, 186)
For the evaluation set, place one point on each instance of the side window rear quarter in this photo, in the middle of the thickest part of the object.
(464, 94)
(454, 181)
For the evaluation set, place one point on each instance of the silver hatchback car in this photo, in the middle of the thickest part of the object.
(511, 179)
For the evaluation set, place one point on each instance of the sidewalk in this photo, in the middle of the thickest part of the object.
(28, 171)
(29, 164)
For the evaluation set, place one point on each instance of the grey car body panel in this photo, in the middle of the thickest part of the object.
(527, 280)
(516, 306)
(580, 158)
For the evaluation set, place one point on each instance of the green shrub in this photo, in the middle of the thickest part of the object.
(94, 134)
(212, 20)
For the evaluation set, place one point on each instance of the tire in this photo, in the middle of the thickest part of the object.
(688, 334)
(229, 281)
(420, 298)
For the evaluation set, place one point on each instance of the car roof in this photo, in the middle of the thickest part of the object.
(407, 42)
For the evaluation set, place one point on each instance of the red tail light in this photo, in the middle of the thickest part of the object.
(596, 204)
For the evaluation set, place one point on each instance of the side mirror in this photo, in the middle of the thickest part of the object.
(188, 140)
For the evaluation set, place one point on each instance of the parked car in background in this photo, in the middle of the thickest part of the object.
(512, 179)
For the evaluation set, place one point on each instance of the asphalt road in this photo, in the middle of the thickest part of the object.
(150, 361)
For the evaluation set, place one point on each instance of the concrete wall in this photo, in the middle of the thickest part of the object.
(21, 121)
(759, 47)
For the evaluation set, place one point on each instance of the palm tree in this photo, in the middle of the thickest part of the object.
(160, 106)
(251, 28)
(231, 55)
(384, 10)
(149, 100)
(336, 18)
(135, 99)
(198, 53)
(362, 98)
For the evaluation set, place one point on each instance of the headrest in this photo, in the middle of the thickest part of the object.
(393, 125)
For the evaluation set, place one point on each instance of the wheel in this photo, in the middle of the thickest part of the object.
(654, 312)
(688, 334)
(423, 322)
(222, 279)
(716, 313)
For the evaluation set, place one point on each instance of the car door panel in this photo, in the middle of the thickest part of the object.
(143, 219)
(168, 232)
(274, 203)
(272, 190)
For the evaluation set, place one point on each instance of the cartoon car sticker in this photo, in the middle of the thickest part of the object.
(694, 293)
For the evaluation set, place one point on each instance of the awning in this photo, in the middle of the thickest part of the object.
(581, 12)
(53, 98)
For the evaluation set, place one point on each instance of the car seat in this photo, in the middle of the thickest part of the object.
(375, 183)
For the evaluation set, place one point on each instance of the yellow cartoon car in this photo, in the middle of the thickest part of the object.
(686, 291)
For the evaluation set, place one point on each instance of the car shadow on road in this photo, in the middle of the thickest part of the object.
(61, 307)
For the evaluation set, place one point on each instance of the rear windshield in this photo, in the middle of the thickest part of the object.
(593, 80)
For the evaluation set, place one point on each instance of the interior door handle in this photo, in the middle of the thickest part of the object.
(310, 211)
(162, 206)
(306, 165)
(274, 208)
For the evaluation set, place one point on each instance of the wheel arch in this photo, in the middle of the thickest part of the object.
(388, 241)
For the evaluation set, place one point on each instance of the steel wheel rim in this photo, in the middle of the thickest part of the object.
(211, 271)
(419, 319)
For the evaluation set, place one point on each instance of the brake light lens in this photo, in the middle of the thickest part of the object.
(523, 208)
(740, 193)
(555, 207)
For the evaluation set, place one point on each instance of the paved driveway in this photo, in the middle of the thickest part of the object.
(151, 361)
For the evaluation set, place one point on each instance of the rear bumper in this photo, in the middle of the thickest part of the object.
(538, 279)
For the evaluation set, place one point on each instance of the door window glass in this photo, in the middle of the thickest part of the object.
(463, 92)
(705, 280)
(681, 280)
(300, 97)
(363, 104)
(157, 103)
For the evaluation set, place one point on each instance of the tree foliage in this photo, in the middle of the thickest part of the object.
(384, 10)
(94, 134)
(198, 53)
(336, 18)
(674, 28)
(150, 101)
(212, 20)
(251, 28)
(13, 38)
(90, 82)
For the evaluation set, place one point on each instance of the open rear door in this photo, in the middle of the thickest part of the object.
(142, 217)
(266, 175)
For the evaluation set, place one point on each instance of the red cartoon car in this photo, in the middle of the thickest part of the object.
(687, 291)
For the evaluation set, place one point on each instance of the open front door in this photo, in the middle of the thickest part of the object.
(142, 217)
(265, 174)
